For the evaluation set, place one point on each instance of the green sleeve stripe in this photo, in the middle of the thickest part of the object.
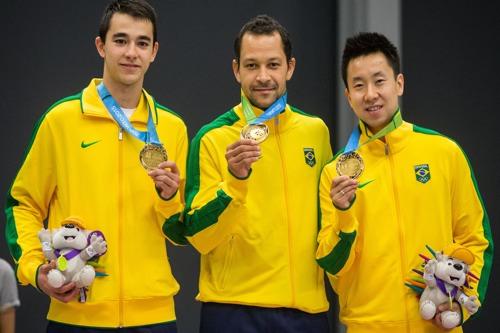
(336, 259)
(193, 163)
(10, 227)
(173, 228)
(207, 215)
(488, 253)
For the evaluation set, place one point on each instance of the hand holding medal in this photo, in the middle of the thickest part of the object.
(166, 177)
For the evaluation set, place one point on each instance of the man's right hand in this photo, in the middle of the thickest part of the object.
(65, 293)
(241, 155)
(342, 191)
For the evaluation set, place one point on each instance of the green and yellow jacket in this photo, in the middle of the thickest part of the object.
(79, 163)
(419, 190)
(257, 236)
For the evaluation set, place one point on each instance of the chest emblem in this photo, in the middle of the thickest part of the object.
(422, 173)
(309, 156)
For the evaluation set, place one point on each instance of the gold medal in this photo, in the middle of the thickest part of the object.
(152, 155)
(350, 164)
(256, 132)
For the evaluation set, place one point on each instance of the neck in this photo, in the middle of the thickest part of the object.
(127, 96)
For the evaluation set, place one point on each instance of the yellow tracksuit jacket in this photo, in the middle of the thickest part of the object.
(422, 191)
(78, 163)
(257, 236)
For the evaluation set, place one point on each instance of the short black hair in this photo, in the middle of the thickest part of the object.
(138, 9)
(367, 43)
(263, 25)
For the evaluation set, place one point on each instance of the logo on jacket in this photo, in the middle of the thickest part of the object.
(422, 173)
(309, 156)
(88, 144)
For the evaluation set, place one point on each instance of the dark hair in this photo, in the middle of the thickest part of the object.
(138, 9)
(263, 25)
(367, 43)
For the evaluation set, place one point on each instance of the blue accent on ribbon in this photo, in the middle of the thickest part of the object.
(149, 136)
(353, 142)
(272, 111)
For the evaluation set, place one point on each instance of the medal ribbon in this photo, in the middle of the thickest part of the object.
(353, 142)
(272, 111)
(149, 136)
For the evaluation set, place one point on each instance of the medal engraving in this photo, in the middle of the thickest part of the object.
(256, 132)
(152, 155)
(350, 164)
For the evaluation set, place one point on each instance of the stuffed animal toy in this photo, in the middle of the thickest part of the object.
(72, 246)
(445, 277)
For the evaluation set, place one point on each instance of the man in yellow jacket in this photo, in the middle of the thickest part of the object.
(252, 198)
(395, 188)
(116, 158)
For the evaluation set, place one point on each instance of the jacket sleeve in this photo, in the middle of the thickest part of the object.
(170, 211)
(337, 236)
(214, 197)
(28, 202)
(471, 226)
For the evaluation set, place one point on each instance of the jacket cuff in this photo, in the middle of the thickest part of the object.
(170, 206)
(237, 188)
(347, 221)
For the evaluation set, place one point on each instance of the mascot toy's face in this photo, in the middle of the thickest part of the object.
(450, 270)
(69, 236)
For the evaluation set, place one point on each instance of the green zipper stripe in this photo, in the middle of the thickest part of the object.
(11, 234)
(337, 258)
(207, 215)
(488, 253)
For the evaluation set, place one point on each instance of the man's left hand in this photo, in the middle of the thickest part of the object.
(166, 178)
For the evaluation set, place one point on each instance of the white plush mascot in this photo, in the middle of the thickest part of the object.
(444, 278)
(72, 246)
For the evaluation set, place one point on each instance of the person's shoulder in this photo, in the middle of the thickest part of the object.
(437, 139)
(71, 102)
(167, 113)
(5, 267)
(307, 117)
(227, 118)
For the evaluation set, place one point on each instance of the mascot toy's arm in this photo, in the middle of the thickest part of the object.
(45, 238)
(429, 271)
(96, 247)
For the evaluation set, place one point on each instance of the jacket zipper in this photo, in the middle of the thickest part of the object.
(120, 220)
(290, 231)
(403, 259)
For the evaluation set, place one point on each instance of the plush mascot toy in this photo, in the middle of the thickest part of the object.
(444, 277)
(72, 247)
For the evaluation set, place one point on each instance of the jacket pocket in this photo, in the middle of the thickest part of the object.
(226, 266)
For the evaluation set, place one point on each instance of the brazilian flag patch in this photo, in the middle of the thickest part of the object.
(422, 173)
(309, 156)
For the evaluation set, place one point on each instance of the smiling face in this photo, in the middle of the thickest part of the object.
(128, 50)
(373, 90)
(263, 69)
(69, 236)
